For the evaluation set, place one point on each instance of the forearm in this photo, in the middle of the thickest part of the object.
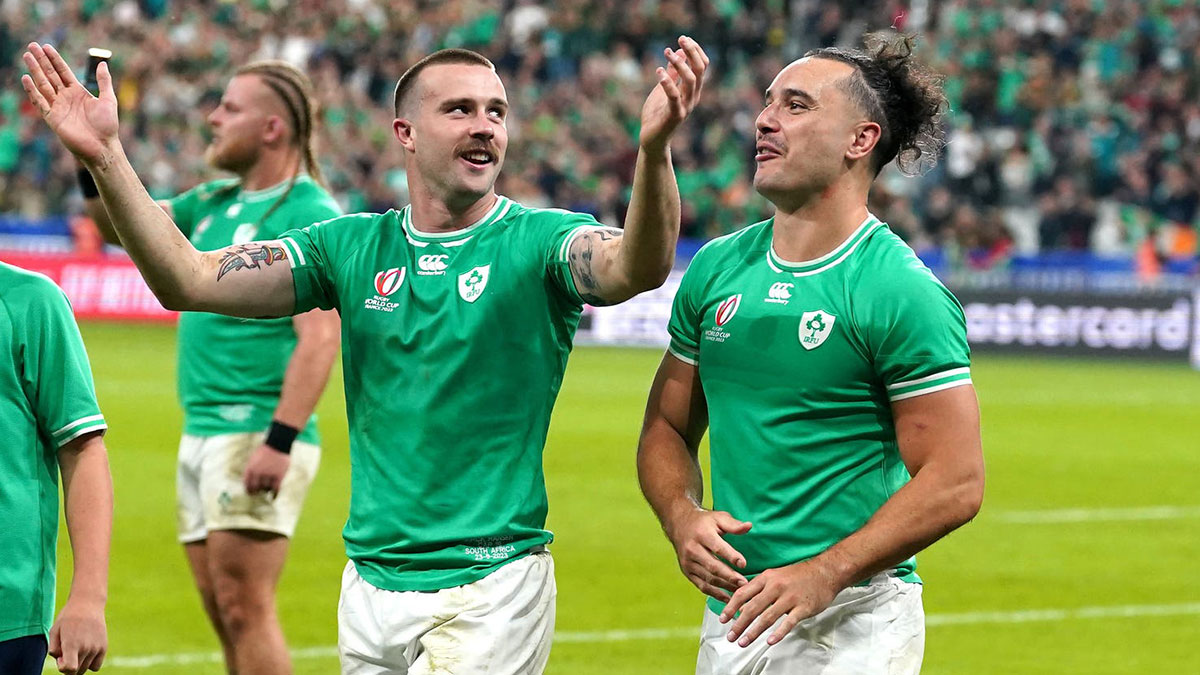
(305, 378)
(669, 475)
(647, 249)
(166, 259)
(937, 500)
(94, 208)
(88, 508)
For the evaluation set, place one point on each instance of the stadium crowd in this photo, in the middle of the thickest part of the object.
(1075, 123)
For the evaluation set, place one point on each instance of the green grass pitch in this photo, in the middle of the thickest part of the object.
(1082, 560)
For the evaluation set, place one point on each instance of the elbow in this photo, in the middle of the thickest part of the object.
(174, 299)
(966, 499)
(650, 278)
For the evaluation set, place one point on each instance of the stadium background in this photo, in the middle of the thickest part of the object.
(1064, 213)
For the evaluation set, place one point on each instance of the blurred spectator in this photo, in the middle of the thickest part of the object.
(1075, 105)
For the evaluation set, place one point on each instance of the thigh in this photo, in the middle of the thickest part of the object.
(374, 636)
(246, 562)
(189, 504)
(23, 655)
(502, 624)
(227, 505)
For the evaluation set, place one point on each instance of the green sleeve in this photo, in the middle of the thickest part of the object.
(687, 313)
(560, 236)
(916, 332)
(57, 376)
(312, 253)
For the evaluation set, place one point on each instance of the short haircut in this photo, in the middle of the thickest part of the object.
(407, 81)
(900, 95)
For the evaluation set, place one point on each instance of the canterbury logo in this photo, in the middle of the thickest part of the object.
(432, 264)
(388, 281)
(780, 291)
(727, 309)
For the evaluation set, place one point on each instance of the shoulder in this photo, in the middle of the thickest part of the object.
(516, 212)
(20, 285)
(887, 264)
(213, 188)
(312, 195)
(24, 293)
(890, 284)
(746, 242)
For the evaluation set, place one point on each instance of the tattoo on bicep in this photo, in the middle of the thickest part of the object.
(580, 258)
(250, 257)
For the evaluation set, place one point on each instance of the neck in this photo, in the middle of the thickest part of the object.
(810, 228)
(434, 214)
(271, 169)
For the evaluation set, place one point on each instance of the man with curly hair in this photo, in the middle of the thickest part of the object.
(833, 371)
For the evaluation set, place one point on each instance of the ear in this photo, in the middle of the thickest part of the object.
(275, 129)
(866, 137)
(402, 129)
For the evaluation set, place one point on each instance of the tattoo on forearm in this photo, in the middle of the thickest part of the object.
(250, 257)
(580, 259)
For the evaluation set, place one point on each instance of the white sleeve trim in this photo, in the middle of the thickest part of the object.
(692, 360)
(930, 378)
(81, 431)
(565, 249)
(922, 392)
(81, 420)
(293, 252)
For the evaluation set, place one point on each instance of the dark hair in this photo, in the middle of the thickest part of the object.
(899, 94)
(408, 80)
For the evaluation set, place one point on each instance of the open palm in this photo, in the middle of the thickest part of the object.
(676, 95)
(85, 124)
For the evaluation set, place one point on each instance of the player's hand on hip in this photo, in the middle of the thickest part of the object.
(79, 638)
(675, 95)
(706, 559)
(85, 124)
(794, 592)
(265, 470)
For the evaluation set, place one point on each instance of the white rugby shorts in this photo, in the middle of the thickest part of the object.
(877, 629)
(502, 624)
(210, 494)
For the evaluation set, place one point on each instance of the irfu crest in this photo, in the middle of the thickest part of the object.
(815, 326)
(472, 283)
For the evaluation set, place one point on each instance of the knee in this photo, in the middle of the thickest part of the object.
(239, 604)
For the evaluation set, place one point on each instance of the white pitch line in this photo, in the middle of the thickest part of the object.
(1052, 516)
(693, 632)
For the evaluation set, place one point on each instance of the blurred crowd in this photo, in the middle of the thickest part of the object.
(1074, 124)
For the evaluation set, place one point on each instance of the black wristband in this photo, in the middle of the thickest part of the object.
(87, 184)
(281, 436)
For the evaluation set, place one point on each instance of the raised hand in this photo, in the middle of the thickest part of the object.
(86, 125)
(675, 95)
(705, 558)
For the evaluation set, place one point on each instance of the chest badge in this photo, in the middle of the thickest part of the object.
(472, 283)
(815, 327)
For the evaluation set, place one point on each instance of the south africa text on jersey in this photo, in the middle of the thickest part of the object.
(503, 552)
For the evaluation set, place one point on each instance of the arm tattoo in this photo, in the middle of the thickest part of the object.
(580, 259)
(250, 257)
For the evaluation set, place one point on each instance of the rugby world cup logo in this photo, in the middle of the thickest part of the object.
(387, 281)
(728, 308)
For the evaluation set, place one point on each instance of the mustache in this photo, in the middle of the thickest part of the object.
(479, 147)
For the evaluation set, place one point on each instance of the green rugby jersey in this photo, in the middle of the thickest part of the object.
(453, 350)
(800, 363)
(230, 369)
(46, 401)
